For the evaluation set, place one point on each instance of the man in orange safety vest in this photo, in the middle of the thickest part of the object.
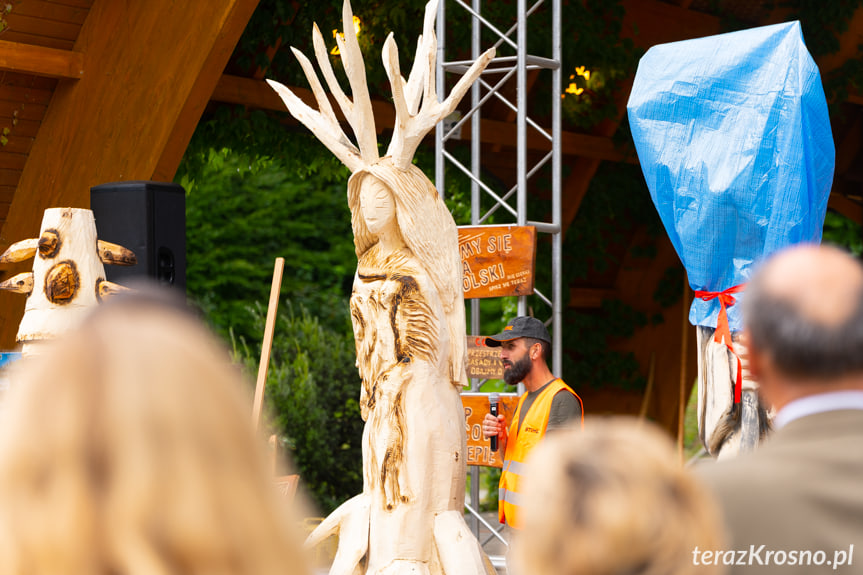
(548, 403)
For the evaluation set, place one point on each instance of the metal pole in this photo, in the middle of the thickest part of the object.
(440, 32)
(557, 237)
(475, 162)
(521, 125)
(474, 218)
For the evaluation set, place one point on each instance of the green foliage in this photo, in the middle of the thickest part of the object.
(822, 22)
(489, 481)
(312, 395)
(261, 140)
(692, 446)
(842, 232)
(241, 214)
(592, 30)
(616, 202)
(669, 289)
(589, 362)
(290, 23)
(839, 82)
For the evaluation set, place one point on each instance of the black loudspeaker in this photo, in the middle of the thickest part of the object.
(149, 218)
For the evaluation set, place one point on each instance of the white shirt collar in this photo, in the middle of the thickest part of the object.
(812, 404)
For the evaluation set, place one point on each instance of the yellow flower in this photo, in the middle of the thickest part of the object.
(573, 89)
(358, 25)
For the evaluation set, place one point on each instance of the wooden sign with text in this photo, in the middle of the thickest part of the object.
(475, 407)
(497, 260)
(483, 362)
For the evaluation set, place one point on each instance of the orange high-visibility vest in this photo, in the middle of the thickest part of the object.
(520, 443)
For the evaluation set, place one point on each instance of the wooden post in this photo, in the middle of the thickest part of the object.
(684, 350)
(648, 391)
(269, 327)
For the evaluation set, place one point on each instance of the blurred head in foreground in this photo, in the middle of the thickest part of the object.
(612, 499)
(128, 448)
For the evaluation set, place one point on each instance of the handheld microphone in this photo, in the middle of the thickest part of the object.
(493, 400)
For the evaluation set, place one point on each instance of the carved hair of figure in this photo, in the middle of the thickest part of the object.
(428, 230)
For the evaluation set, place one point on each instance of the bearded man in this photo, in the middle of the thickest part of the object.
(548, 403)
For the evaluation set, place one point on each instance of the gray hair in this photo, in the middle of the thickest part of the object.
(800, 346)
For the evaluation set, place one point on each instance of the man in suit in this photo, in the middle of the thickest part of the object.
(795, 505)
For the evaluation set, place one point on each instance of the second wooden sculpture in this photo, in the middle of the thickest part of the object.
(68, 276)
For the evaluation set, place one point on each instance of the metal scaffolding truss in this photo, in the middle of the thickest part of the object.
(490, 87)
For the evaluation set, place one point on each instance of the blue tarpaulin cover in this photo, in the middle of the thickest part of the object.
(733, 136)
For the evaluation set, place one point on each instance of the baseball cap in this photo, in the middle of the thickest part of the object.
(521, 326)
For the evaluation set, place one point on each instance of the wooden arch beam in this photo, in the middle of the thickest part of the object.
(148, 67)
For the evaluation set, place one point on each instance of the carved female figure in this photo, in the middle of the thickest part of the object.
(409, 355)
(408, 320)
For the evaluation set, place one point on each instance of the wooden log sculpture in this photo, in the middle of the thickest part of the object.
(408, 318)
(68, 275)
(726, 426)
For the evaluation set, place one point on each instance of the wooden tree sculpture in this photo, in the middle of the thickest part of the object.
(68, 276)
(408, 318)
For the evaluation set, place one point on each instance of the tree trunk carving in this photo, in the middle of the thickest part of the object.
(68, 275)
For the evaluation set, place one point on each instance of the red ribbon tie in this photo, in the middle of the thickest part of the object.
(723, 330)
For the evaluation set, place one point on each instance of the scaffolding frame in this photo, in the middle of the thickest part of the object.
(483, 90)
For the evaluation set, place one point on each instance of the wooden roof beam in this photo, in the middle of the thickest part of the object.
(41, 61)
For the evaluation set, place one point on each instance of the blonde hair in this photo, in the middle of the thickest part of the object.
(128, 448)
(429, 231)
(611, 499)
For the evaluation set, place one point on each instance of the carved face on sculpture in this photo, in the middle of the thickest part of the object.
(377, 205)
